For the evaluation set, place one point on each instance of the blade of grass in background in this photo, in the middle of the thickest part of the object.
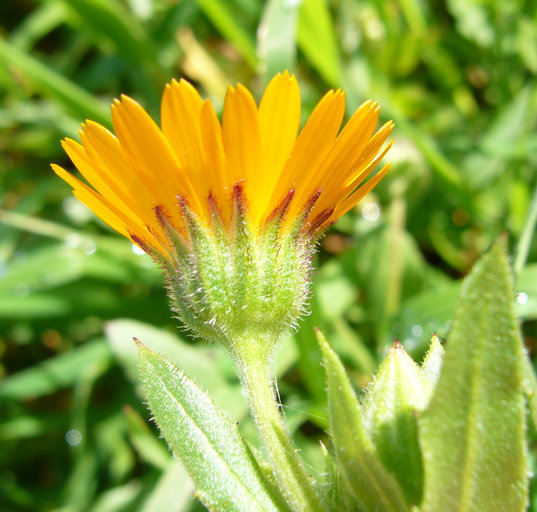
(276, 38)
(49, 83)
(226, 21)
(114, 28)
(38, 24)
(59, 372)
(317, 39)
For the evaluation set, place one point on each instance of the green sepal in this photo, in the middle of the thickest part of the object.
(399, 391)
(199, 433)
(432, 362)
(184, 286)
(206, 273)
(229, 283)
(243, 254)
(472, 433)
(370, 485)
(276, 262)
(179, 245)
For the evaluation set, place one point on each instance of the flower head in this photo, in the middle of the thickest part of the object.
(230, 209)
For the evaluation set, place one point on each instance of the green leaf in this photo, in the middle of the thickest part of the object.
(110, 25)
(334, 292)
(511, 123)
(110, 21)
(431, 311)
(215, 455)
(37, 24)
(204, 364)
(317, 39)
(276, 37)
(118, 499)
(21, 427)
(226, 22)
(309, 353)
(472, 433)
(400, 389)
(472, 21)
(372, 487)
(528, 230)
(58, 372)
(33, 306)
(530, 388)
(148, 447)
(42, 269)
(172, 492)
(376, 259)
(48, 82)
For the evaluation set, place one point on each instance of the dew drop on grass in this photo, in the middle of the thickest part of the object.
(371, 211)
(417, 330)
(73, 437)
(522, 298)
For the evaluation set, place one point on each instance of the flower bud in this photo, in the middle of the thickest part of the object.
(399, 391)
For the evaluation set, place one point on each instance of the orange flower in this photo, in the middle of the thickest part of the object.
(194, 157)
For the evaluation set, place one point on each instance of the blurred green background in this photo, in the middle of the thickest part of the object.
(457, 76)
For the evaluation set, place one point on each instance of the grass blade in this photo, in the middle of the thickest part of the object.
(49, 83)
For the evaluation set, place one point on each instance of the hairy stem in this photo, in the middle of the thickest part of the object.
(255, 371)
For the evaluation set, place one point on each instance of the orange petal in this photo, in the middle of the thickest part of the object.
(363, 173)
(107, 212)
(348, 146)
(315, 140)
(181, 119)
(104, 153)
(148, 151)
(94, 175)
(279, 119)
(333, 194)
(213, 147)
(240, 131)
(374, 144)
(358, 194)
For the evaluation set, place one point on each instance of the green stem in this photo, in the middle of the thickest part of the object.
(524, 242)
(396, 240)
(257, 378)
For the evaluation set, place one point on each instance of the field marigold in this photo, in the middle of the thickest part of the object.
(230, 210)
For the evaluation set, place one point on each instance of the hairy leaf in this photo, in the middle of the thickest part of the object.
(472, 433)
(199, 433)
(371, 486)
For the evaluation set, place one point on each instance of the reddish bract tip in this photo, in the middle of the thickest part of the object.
(397, 345)
(140, 243)
(318, 222)
(281, 210)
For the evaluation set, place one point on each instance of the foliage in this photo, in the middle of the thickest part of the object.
(457, 77)
(445, 437)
